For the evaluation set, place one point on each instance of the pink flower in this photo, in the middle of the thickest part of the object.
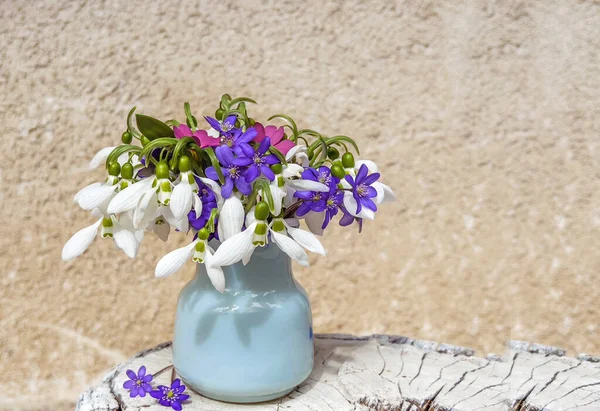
(276, 136)
(201, 136)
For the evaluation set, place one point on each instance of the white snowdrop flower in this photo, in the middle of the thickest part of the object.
(97, 195)
(298, 154)
(185, 192)
(149, 199)
(200, 252)
(121, 231)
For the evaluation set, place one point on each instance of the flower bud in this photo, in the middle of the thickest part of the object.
(127, 171)
(184, 164)
(338, 171)
(348, 160)
(114, 169)
(261, 212)
(219, 114)
(277, 168)
(251, 122)
(162, 170)
(203, 234)
(126, 137)
(333, 153)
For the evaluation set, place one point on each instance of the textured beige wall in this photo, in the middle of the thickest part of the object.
(485, 117)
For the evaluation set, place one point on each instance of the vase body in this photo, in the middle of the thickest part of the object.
(251, 343)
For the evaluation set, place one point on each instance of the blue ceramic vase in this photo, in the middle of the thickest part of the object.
(253, 342)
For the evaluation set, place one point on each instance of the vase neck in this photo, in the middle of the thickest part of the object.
(269, 269)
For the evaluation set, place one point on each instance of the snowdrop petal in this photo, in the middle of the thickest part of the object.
(389, 194)
(292, 170)
(129, 198)
(307, 240)
(80, 241)
(293, 151)
(173, 261)
(181, 224)
(308, 185)
(246, 258)
(291, 248)
(371, 166)
(100, 157)
(84, 189)
(314, 221)
(231, 218)
(197, 205)
(126, 241)
(146, 210)
(277, 194)
(380, 193)
(181, 200)
(235, 248)
(95, 196)
(215, 273)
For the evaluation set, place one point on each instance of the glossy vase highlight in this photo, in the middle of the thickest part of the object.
(253, 342)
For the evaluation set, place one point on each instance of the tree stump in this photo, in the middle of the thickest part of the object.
(384, 372)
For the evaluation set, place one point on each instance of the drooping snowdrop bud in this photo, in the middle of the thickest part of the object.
(348, 160)
(126, 176)
(163, 182)
(333, 153)
(126, 137)
(338, 171)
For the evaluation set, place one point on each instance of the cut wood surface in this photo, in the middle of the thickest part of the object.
(384, 372)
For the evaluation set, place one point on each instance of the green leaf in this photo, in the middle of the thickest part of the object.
(191, 120)
(153, 128)
(181, 143)
(172, 123)
(158, 143)
(134, 132)
(278, 154)
(215, 163)
(242, 99)
(290, 121)
(266, 193)
(123, 148)
(340, 139)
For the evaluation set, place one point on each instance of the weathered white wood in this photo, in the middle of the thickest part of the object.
(396, 373)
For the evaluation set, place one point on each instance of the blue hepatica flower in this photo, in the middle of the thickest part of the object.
(227, 127)
(362, 192)
(209, 201)
(171, 396)
(259, 160)
(233, 170)
(138, 384)
(317, 201)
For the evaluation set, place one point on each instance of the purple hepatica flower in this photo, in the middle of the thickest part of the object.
(233, 170)
(322, 175)
(332, 205)
(138, 384)
(209, 201)
(317, 201)
(348, 219)
(227, 127)
(362, 190)
(171, 396)
(259, 161)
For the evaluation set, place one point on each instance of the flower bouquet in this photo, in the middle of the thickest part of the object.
(239, 188)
